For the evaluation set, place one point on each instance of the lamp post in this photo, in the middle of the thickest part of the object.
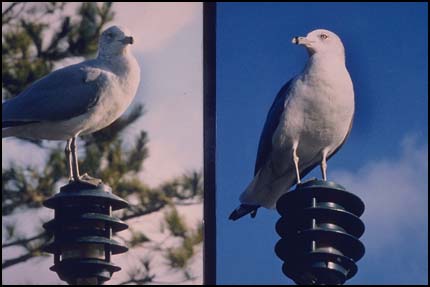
(82, 231)
(320, 230)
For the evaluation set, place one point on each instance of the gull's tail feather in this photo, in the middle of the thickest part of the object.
(6, 132)
(13, 128)
(267, 187)
(8, 129)
(243, 210)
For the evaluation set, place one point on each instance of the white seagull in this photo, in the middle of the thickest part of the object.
(308, 122)
(78, 99)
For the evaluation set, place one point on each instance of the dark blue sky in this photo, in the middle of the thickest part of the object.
(387, 56)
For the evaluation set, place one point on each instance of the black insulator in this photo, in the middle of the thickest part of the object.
(320, 227)
(82, 231)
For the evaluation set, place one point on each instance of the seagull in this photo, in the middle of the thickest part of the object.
(77, 100)
(308, 122)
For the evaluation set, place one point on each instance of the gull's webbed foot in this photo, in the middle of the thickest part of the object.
(86, 179)
(89, 179)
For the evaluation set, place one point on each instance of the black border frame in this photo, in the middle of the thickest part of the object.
(209, 137)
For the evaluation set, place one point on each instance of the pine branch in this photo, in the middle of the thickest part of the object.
(10, 262)
(142, 281)
(138, 211)
(34, 251)
(7, 15)
(150, 279)
(9, 9)
(25, 241)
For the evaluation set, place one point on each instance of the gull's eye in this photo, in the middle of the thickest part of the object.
(109, 35)
(323, 36)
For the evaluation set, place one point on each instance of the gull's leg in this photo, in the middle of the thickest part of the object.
(75, 164)
(324, 164)
(85, 178)
(296, 161)
(68, 152)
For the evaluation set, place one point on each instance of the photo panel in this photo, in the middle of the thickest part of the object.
(261, 115)
(147, 72)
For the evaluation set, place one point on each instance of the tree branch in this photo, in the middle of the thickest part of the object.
(149, 279)
(174, 283)
(25, 241)
(4, 15)
(145, 280)
(9, 262)
(138, 211)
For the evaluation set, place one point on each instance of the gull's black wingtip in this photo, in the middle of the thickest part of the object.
(243, 210)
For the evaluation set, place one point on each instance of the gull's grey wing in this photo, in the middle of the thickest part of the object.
(61, 95)
(265, 145)
(272, 121)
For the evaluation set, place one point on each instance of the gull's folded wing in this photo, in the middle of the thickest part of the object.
(61, 95)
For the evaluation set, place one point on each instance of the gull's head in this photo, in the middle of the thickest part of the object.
(114, 41)
(321, 41)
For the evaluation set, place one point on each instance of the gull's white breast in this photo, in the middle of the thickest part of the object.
(116, 96)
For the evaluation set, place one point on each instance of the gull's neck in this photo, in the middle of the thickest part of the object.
(118, 63)
(106, 55)
(325, 65)
(323, 59)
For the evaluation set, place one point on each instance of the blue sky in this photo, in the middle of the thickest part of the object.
(384, 161)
